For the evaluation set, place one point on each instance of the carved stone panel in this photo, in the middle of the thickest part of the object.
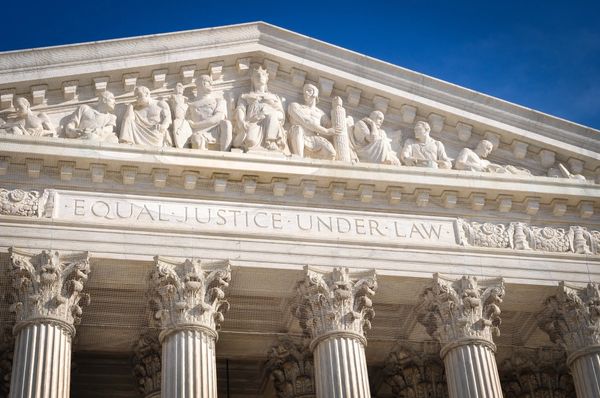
(292, 369)
(17, 202)
(147, 363)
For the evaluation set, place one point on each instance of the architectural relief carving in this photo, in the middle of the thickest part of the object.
(474, 160)
(561, 171)
(571, 318)
(341, 139)
(189, 293)
(180, 129)
(47, 287)
(311, 127)
(454, 310)
(521, 236)
(413, 374)
(27, 122)
(146, 121)
(259, 116)
(371, 142)
(424, 151)
(335, 302)
(292, 370)
(17, 202)
(536, 374)
(207, 115)
(147, 364)
(96, 124)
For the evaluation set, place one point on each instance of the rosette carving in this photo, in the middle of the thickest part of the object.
(47, 286)
(291, 367)
(453, 310)
(521, 236)
(536, 374)
(571, 317)
(189, 293)
(413, 374)
(17, 202)
(335, 301)
(147, 364)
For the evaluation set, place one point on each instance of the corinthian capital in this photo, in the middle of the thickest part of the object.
(291, 367)
(147, 364)
(453, 310)
(572, 317)
(47, 287)
(338, 301)
(189, 293)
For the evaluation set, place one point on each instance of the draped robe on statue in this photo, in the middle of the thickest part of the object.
(137, 128)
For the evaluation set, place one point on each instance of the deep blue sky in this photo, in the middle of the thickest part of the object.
(543, 55)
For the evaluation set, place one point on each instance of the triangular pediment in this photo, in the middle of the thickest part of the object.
(527, 145)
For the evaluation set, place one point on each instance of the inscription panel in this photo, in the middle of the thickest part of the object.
(252, 220)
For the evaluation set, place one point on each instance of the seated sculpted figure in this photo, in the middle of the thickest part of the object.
(207, 115)
(310, 126)
(371, 142)
(474, 160)
(146, 121)
(29, 123)
(181, 130)
(424, 151)
(95, 124)
(259, 116)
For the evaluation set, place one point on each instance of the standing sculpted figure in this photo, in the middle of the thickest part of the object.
(424, 151)
(371, 142)
(259, 116)
(207, 116)
(146, 121)
(94, 124)
(310, 126)
(29, 123)
(474, 160)
(181, 130)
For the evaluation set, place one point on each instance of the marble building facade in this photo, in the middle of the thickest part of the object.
(247, 212)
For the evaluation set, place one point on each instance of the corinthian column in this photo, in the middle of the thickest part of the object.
(463, 315)
(147, 365)
(47, 288)
(292, 370)
(188, 301)
(335, 310)
(572, 320)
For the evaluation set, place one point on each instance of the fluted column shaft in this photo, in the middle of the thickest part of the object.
(471, 371)
(341, 368)
(42, 362)
(189, 365)
(585, 369)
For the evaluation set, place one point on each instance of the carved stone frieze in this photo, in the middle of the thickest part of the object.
(17, 202)
(189, 293)
(453, 310)
(521, 236)
(147, 364)
(47, 287)
(337, 301)
(292, 369)
(415, 374)
(571, 317)
(536, 374)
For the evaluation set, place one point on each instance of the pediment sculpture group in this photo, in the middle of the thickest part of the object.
(257, 125)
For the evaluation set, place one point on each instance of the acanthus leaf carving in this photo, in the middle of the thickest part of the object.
(292, 369)
(189, 293)
(147, 363)
(571, 317)
(18, 202)
(47, 286)
(453, 310)
(539, 373)
(415, 374)
(337, 301)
